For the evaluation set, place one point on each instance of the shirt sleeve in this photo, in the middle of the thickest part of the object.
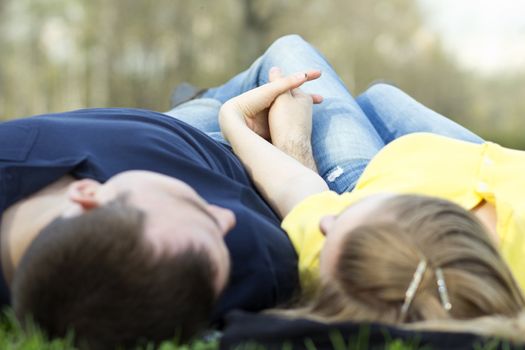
(302, 226)
(512, 245)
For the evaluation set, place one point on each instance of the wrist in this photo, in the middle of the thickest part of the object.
(299, 148)
(292, 139)
(230, 120)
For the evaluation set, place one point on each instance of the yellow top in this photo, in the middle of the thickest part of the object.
(427, 164)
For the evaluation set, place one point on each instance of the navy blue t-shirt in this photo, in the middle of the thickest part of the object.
(99, 143)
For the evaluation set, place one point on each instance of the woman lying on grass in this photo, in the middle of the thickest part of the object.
(422, 234)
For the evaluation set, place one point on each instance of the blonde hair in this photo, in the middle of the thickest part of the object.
(377, 263)
(502, 327)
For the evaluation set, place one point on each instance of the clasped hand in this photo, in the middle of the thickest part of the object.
(276, 110)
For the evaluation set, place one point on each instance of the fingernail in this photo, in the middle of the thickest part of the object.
(273, 69)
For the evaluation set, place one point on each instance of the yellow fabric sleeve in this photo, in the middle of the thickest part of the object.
(302, 226)
(422, 163)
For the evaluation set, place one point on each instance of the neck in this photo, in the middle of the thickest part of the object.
(22, 222)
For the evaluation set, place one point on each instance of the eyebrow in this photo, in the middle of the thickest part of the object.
(199, 207)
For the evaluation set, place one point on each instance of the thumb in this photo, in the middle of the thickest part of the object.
(274, 74)
(263, 96)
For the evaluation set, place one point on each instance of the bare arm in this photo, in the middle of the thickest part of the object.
(281, 179)
(290, 122)
(299, 148)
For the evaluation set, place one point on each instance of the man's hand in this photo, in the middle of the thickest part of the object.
(290, 120)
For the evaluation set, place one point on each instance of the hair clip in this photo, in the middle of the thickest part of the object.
(412, 288)
(442, 290)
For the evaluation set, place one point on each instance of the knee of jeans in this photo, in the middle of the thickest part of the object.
(381, 90)
(379, 87)
(287, 42)
(200, 103)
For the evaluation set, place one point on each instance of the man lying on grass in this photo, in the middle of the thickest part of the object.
(124, 225)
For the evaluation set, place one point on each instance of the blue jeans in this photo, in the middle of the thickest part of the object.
(347, 132)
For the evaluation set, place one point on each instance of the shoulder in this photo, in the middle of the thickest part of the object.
(264, 262)
(425, 140)
(425, 150)
(312, 207)
(302, 223)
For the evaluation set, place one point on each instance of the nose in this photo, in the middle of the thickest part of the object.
(326, 224)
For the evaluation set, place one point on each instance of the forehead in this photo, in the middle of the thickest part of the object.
(192, 225)
(148, 190)
(141, 177)
(368, 208)
(180, 223)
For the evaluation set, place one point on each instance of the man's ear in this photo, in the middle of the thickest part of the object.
(83, 192)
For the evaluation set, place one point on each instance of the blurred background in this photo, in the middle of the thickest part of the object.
(463, 58)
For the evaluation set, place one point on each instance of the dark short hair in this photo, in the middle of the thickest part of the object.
(96, 275)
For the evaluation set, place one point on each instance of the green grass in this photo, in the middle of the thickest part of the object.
(13, 337)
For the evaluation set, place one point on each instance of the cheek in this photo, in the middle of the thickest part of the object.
(327, 259)
(71, 211)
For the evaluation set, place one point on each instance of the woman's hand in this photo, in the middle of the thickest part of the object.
(253, 105)
(282, 180)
